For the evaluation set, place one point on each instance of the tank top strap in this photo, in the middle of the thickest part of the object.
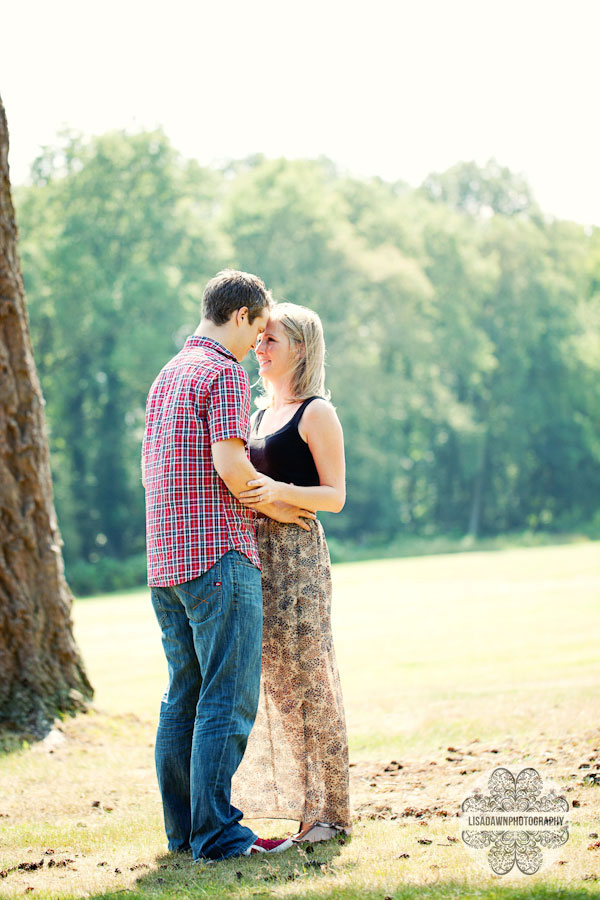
(258, 419)
(298, 414)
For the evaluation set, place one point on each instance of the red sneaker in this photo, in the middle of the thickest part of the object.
(266, 845)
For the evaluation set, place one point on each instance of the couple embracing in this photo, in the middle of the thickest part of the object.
(239, 568)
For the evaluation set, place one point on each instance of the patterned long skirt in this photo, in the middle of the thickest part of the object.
(296, 762)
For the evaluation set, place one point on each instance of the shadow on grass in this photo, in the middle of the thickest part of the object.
(259, 877)
(178, 876)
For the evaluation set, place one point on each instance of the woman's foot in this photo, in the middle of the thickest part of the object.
(313, 832)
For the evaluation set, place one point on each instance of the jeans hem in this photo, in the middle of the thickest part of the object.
(233, 855)
(251, 844)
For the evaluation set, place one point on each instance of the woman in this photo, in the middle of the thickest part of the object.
(296, 763)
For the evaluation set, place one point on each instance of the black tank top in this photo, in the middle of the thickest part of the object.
(283, 455)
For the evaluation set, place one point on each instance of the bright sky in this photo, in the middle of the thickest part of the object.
(396, 88)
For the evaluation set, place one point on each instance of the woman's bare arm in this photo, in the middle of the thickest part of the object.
(322, 430)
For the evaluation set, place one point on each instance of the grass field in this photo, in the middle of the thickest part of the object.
(451, 666)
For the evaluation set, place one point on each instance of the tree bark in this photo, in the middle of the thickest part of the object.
(41, 672)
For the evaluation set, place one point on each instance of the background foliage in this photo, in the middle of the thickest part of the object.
(462, 328)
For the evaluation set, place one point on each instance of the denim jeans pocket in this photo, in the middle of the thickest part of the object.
(240, 559)
(246, 579)
(202, 597)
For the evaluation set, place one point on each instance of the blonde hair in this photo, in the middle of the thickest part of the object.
(305, 332)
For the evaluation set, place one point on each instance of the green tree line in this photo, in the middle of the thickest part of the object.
(462, 327)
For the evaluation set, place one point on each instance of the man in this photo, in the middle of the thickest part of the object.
(203, 568)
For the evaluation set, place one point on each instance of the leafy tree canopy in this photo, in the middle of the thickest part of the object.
(462, 329)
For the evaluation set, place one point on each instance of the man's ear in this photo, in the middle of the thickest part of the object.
(241, 315)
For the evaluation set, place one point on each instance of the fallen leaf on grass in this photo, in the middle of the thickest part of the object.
(414, 811)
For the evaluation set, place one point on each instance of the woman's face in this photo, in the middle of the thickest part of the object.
(274, 352)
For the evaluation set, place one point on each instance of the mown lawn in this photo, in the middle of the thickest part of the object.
(451, 666)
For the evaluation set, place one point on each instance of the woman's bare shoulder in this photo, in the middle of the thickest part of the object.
(320, 406)
(320, 413)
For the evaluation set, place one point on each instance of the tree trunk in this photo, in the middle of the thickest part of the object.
(477, 502)
(41, 672)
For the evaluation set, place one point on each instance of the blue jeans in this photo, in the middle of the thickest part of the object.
(212, 638)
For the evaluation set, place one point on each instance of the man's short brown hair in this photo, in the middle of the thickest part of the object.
(229, 290)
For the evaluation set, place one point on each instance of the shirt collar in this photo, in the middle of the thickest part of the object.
(198, 340)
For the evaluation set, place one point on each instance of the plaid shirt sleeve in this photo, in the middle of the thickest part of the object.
(228, 406)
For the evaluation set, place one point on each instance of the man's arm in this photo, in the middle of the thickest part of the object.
(234, 467)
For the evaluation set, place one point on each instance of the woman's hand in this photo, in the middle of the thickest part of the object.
(263, 490)
(292, 515)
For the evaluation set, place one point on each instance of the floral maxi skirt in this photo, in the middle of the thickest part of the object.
(296, 762)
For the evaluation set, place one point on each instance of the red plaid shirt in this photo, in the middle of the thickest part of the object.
(200, 397)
